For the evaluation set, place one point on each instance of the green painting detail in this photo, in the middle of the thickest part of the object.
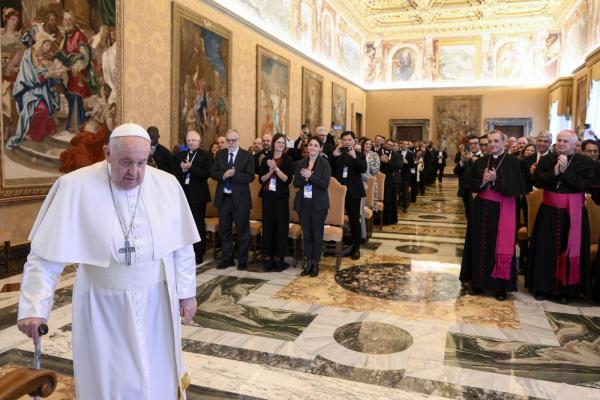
(219, 308)
(575, 361)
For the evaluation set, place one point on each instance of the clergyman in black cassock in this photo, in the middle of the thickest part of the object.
(560, 243)
(489, 260)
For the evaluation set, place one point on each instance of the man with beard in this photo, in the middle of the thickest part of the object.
(560, 245)
(542, 144)
(264, 153)
(489, 260)
(464, 160)
(75, 54)
(51, 28)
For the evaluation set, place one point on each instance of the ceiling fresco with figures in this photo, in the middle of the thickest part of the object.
(382, 44)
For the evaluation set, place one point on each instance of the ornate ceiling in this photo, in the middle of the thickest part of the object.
(394, 18)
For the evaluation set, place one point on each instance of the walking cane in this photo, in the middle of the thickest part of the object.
(37, 355)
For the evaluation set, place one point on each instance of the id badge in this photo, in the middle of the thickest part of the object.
(439, 160)
(187, 179)
(308, 191)
(273, 184)
(345, 172)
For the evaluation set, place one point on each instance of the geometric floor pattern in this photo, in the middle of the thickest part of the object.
(391, 325)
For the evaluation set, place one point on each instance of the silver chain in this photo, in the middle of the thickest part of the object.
(112, 194)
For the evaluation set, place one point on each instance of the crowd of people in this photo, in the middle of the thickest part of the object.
(308, 162)
(495, 174)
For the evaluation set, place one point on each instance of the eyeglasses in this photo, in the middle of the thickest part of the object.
(231, 140)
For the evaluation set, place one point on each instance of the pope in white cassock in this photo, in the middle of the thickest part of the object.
(130, 229)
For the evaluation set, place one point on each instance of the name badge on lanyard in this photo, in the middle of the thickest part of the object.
(187, 178)
(345, 172)
(308, 191)
(273, 184)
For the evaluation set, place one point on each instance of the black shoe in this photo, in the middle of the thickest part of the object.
(268, 264)
(347, 252)
(315, 269)
(501, 295)
(474, 291)
(563, 300)
(356, 255)
(279, 266)
(242, 267)
(199, 259)
(540, 296)
(226, 264)
(307, 268)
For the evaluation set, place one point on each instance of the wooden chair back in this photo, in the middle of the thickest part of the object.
(370, 192)
(337, 197)
(294, 217)
(594, 218)
(211, 210)
(534, 200)
(380, 185)
(255, 187)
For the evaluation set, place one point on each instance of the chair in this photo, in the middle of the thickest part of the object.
(5, 243)
(27, 381)
(211, 219)
(334, 222)
(295, 230)
(534, 200)
(255, 215)
(369, 205)
(594, 217)
(380, 191)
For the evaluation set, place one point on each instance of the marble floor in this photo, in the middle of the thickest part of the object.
(393, 325)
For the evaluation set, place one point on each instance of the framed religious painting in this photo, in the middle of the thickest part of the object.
(456, 117)
(272, 93)
(338, 105)
(201, 77)
(312, 99)
(457, 59)
(581, 103)
(61, 68)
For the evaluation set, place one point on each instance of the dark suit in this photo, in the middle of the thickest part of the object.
(256, 156)
(440, 164)
(234, 207)
(276, 208)
(405, 171)
(196, 190)
(163, 158)
(313, 211)
(391, 169)
(355, 167)
(463, 174)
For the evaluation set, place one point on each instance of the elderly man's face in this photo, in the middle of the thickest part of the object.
(521, 143)
(565, 143)
(542, 144)
(591, 150)
(68, 22)
(496, 143)
(192, 140)
(127, 159)
(233, 141)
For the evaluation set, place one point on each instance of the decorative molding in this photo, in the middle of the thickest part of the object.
(526, 123)
(423, 123)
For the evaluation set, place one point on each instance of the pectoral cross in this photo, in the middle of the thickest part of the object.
(127, 250)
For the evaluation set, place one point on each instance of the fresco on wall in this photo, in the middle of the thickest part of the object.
(513, 60)
(456, 117)
(201, 74)
(404, 64)
(273, 93)
(595, 24)
(551, 55)
(59, 90)
(274, 13)
(349, 54)
(312, 99)
(338, 105)
(327, 30)
(457, 60)
(576, 38)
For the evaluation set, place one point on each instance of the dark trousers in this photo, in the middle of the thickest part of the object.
(414, 189)
(422, 185)
(404, 195)
(199, 212)
(467, 200)
(313, 227)
(353, 211)
(227, 216)
(275, 225)
(390, 204)
(439, 170)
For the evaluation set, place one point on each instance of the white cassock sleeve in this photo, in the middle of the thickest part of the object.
(40, 278)
(185, 272)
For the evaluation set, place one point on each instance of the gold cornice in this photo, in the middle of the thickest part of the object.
(561, 82)
(593, 57)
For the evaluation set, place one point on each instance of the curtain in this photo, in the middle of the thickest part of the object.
(108, 12)
(592, 116)
(557, 122)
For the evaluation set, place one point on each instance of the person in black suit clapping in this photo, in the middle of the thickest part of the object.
(233, 169)
(192, 170)
(276, 173)
(312, 202)
(349, 166)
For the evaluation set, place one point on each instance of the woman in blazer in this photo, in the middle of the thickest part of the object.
(275, 173)
(312, 202)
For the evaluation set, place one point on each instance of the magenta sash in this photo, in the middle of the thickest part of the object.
(507, 228)
(574, 204)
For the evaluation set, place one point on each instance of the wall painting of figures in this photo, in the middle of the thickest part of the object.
(60, 83)
(338, 105)
(456, 117)
(200, 81)
(272, 93)
(312, 99)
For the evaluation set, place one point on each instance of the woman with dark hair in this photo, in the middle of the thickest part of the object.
(275, 173)
(373, 163)
(527, 151)
(312, 202)
(213, 150)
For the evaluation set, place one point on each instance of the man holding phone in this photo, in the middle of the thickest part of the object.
(349, 165)
(467, 155)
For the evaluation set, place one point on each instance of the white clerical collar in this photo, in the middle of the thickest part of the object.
(542, 155)
(497, 155)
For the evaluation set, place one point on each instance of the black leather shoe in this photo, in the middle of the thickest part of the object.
(501, 295)
(563, 300)
(242, 267)
(539, 296)
(307, 268)
(226, 264)
(356, 255)
(474, 291)
(199, 259)
(347, 252)
(315, 269)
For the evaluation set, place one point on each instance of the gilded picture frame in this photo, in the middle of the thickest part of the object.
(339, 105)
(272, 93)
(200, 77)
(312, 99)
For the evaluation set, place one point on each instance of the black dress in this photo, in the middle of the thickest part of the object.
(479, 253)
(551, 229)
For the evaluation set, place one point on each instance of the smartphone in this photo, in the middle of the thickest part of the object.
(344, 150)
(467, 148)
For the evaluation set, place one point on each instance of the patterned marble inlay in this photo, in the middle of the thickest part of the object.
(576, 361)
(397, 282)
(323, 290)
(218, 308)
(373, 338)
(432, 217)
(413, 249)
(419, 230)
